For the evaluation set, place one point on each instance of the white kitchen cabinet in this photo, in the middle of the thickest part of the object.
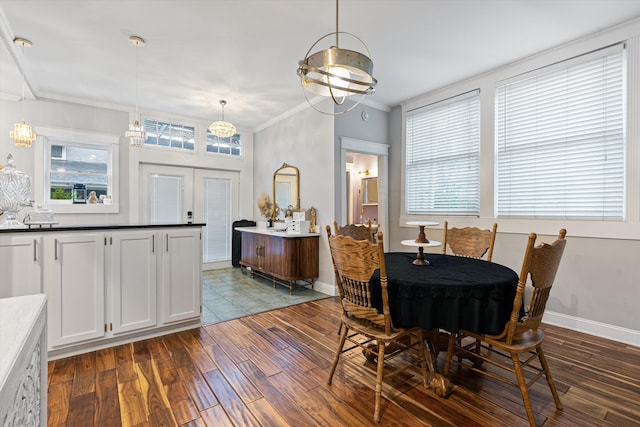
(20, 265)
(131, 280)
(75, 286)
(181, 280)
(107, 285)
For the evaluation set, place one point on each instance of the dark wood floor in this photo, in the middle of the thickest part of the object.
(270, 369)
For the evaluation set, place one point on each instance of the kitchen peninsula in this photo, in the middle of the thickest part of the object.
(106, 284)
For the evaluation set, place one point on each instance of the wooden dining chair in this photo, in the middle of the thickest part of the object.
(521, 338)
(471, 242)
(357, 232)
(354, 262)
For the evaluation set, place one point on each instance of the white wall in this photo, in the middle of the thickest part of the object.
(113, 122)
(62, 115)
(597, 285)
(305, 140)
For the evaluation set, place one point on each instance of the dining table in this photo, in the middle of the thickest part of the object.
(450, 293)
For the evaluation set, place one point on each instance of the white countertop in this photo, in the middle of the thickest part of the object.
(17, 317)
(275, 232)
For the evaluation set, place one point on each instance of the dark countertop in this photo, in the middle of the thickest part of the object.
(56, 227)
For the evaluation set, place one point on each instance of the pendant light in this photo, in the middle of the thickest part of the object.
(337, 73)
(22, 133)
(136, 133)
(222, 128)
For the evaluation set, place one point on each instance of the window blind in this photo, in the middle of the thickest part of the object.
(443, 157)
(560, 141)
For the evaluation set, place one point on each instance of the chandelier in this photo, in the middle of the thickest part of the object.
(136, 133)
(222, 128)
(22, 133)
(337, 73)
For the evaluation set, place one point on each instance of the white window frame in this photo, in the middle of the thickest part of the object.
(442, 105)
(172, 123)
(207, 133)
(551, 143)
(487, 82)
(54, 136)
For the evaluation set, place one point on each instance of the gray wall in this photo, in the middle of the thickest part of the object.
(305, 140)
(598, 282)
(352, 125)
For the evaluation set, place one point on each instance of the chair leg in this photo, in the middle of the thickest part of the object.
(452, 342)
(422, 351)
(343, 338)
(547, 373)
(376, 412)
(524, 391)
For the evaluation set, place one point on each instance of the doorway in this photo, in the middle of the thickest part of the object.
(362, 188)
(376, 155)
(176, 195)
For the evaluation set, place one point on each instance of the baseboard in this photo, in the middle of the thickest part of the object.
(603, 330)
(325, 288)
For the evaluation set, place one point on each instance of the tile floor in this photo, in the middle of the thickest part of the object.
(228, 293)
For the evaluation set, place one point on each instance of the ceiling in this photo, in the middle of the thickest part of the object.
(247, 51)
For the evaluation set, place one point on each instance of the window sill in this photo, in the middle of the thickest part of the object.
(80, 208)
(616, 230)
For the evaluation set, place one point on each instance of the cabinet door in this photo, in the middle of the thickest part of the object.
(132, 280)
(181, 288)
(74, 284)
(20, 266)
(252, 250)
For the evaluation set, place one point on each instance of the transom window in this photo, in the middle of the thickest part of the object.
(167, 134)
(230, 146)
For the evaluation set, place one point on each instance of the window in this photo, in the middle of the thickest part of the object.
(443, 157)
(84, 161)
(230, 146)
(166, 134)
(560, 140)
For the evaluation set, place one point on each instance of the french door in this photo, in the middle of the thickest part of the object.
(169, 193)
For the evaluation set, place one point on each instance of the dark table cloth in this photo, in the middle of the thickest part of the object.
(452, 293)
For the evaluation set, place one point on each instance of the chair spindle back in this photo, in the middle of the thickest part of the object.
(354, 262)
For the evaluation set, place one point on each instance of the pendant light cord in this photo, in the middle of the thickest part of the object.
(337, 32)
(23, 78)
(136, 117)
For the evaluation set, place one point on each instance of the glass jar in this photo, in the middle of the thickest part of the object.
(15, 193)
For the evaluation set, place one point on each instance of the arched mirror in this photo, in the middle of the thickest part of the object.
(286, 189)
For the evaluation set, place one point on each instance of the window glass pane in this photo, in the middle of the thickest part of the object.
(71, 165)
(165, 199)
(443, 157)
(165, 134)
(229, 146)
(560, 141)
(217, 216)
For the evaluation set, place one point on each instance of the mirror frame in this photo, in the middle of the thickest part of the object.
(275, 174)
(366, 197)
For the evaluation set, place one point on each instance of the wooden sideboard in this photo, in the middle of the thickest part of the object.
(285, 258)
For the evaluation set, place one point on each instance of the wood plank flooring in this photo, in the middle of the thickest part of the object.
(270, 369)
